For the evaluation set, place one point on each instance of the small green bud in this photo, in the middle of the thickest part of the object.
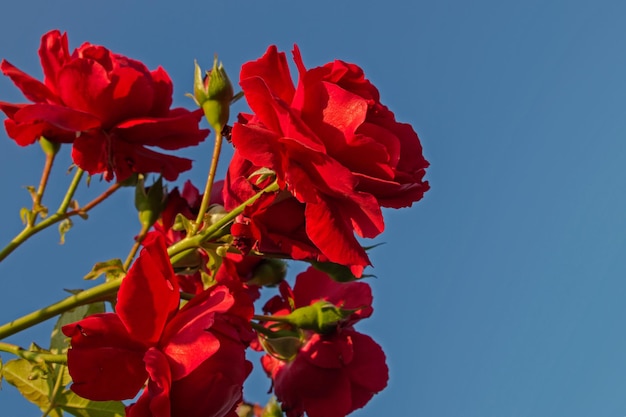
(282, 347)
(149, 202)
(214, 94)
(269, 273)
(321, 317)
(272, 409)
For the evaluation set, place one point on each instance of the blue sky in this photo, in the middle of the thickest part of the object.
(502, 293)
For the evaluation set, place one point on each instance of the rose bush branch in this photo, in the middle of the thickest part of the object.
(60, 215)
(213, 94)
(100, 292)
(180, 249)
(33, 356)
(108, 290)
(50, 149)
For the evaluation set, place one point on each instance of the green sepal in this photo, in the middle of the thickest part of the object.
(269, 272)
(214, 94)
(283, 345)
(48, 147)
(337, 272)
(112, 269)
(150, 201)
(65, 227)
(272, 409)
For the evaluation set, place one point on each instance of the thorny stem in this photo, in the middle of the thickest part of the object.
(97, 293)
(178, 250)
(58, 384)
(206, 198)
(279, 319)
(133, 251)
(96, 201)
(32, 356)
(70, 192)
(45, 175)
(58, 216)
(108, 289)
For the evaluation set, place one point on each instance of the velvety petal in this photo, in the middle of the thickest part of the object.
(54, 53)
(273, 69)
(27, 134)
(141, 408)
(368, 371)
(188, 340)
(82, 84)
(33, 89)
(149, 294)
(313, 285)
(175, 132)
(130, 158)
(107, 373)
(97, 153)
(215, 388)
(105, 362)
(58, 116)
(100, 330)
(163, 91)
(328, 352)
(391, 193)
(257, 144)
(159, 384)
(373, 151)
(91, 152)
(333, 234)
(132, 95)
(351, 78)
(302, 387)
(11, 108)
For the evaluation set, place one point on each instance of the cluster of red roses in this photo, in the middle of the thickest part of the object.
(337, 154)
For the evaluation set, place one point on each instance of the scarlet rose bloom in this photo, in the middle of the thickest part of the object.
(332, 374)
(110, 107)
(193, 358)
(332, 145)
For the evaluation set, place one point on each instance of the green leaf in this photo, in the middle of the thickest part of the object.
(337, 272)
(25, 214)
(182, 223)
(58, 341)
(27, 377)
(64, 227)
(272, 409)
(112, 269)
(75, 405)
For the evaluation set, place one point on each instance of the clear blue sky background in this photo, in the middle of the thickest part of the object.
(502, 293)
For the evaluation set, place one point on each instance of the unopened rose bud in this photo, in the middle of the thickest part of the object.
(283, 347)
(214, 94)
(321, 317)
(272, 409)
(268, 273)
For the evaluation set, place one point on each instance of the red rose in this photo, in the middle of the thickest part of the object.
(333, 146)
(193, 358)
(110, 107)
(332, 374)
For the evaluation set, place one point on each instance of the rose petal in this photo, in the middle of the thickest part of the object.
(149, 295)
